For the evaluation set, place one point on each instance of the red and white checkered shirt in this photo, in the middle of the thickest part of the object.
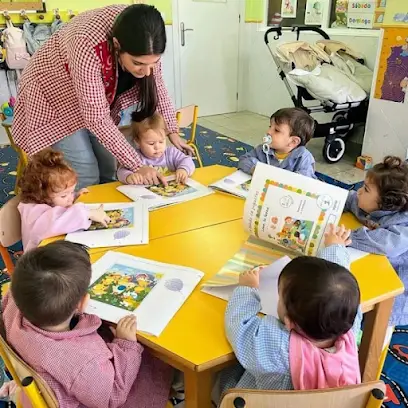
(70, 84)
(83, 370)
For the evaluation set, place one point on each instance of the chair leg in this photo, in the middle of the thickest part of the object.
(197, 154)
(7, 259)
(19, 171)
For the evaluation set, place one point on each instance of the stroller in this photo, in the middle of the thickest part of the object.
(331, 60)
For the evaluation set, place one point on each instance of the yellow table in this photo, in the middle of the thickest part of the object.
(213, 209)
(194, 340)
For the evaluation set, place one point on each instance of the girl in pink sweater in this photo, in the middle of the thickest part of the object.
(47, 197)
(44, 321)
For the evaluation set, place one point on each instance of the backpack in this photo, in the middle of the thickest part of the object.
(16, 50)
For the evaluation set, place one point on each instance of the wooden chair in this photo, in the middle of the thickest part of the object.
(10, 230)
(185, 117)
(367, 395)
(22, 157)
(31, 387)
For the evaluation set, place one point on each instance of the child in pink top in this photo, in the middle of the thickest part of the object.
(150, 137)
(47, 196)
(313, 343)
(44, 321)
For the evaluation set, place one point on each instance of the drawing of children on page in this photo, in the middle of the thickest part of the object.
(120, 218)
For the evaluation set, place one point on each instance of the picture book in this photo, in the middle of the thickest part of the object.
(129, 225)
(290, 210)
(286, 215)
(254, 253)
(153, 291)
(160, 196)
(237, 183)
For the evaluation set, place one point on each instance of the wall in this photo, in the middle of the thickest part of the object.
(386, 130)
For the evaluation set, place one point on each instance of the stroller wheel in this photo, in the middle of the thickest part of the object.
(334, 150)
(340, 118)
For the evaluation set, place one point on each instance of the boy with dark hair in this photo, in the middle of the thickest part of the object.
(284, 144)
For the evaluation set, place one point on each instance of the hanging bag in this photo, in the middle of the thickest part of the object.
(16, 49)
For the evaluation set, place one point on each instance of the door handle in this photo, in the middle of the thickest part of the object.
(183, 35)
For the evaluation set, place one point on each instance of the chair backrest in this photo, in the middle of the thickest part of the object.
(10, 223)
(356, 396)
(41, 395)
(187, 115)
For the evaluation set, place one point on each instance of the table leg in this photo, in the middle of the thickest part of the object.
(375, 328)
(198, 386)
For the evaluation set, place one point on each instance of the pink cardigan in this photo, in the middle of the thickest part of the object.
(83, 370)
(41, 221)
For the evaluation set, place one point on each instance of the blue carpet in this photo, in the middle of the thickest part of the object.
(215, 148)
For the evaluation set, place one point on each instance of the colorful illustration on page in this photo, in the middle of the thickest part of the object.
(173, 189)
(124, 286)
(120, 218)
(245, 186)
(294, 234)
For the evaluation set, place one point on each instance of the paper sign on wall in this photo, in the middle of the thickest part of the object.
(360, 14)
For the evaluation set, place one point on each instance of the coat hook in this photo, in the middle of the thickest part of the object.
(70, 14)
(24, 15)
(41, 16)
(56, 13)
(6, 15)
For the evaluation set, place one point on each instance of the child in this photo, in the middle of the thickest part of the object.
(45, 323)
(382, 206)
(47, 196)
(289, 131)
(150, 136)
(313, 343)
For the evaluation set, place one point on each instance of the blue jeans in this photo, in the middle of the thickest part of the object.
(92, 162)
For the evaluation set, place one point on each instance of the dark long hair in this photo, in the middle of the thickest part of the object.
(140, 30)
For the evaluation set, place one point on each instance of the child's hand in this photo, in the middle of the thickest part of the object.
(100, 216)
(371, 224)
(250, 278)
(134, 178)
(181, 176)
(337, 235)
(82, 191)
(126, 328)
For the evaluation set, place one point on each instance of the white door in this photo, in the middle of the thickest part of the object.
(207, 42)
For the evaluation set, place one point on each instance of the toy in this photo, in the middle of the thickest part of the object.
(364, 162)
(7, 109)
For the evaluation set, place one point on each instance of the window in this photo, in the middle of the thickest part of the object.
(343, 14)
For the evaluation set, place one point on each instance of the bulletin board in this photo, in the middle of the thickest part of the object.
(392, 77)
(396, 13)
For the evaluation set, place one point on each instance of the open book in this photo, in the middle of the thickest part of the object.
(129, 225)
(290, 210)
(123, 284)
(286, 215)
(237, 183)
(160, 196)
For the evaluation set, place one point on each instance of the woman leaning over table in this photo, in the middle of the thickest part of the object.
(76, 88)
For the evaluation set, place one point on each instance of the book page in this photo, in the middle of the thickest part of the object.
(129, 225)
(237, 183)
(291, 210)
(160, 196)
(122, 284)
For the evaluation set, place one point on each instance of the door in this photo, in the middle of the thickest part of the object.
(208, 44)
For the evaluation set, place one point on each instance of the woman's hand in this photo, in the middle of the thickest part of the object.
(181, 144)
(151, 176)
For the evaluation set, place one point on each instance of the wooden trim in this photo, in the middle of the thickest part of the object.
(17, 6)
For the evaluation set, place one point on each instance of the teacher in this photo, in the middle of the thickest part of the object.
(76, 88)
